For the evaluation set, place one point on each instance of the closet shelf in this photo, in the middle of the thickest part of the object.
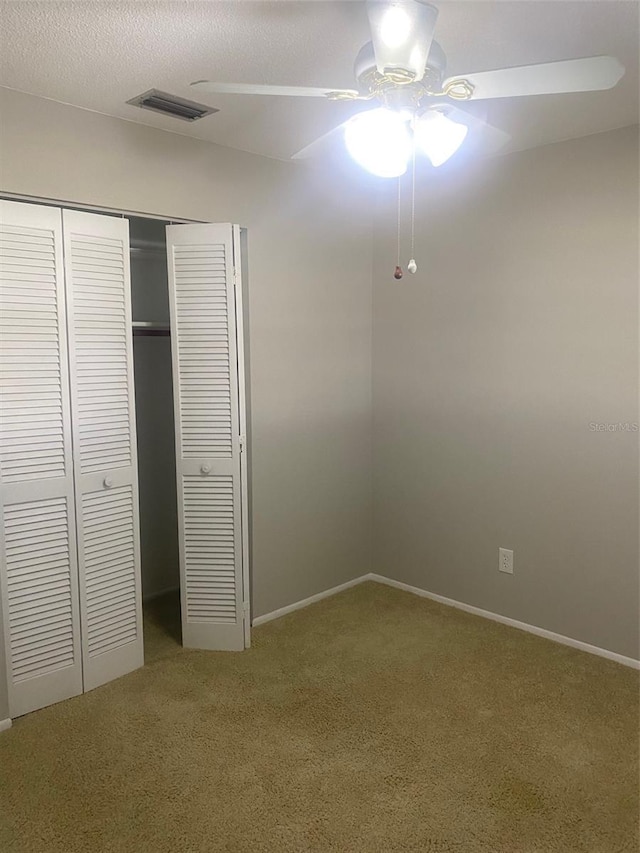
(144, 328)
(149, 246)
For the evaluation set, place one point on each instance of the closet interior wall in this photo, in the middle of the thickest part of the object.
(154, 408)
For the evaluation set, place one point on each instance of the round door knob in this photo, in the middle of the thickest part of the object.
(205, 469)
(107, 482)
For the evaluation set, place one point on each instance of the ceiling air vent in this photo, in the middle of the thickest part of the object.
(171, 105)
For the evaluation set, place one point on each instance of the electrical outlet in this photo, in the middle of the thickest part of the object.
(505, 561)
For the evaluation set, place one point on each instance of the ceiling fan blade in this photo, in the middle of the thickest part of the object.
(321, 143)
(402, 32)
(287, 91)
(569, 75)
(487, 138)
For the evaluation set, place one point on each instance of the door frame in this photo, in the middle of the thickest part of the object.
(244, 384)
(244, 411)
(95, 208)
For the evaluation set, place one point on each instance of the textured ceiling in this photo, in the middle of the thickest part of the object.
(97, 55)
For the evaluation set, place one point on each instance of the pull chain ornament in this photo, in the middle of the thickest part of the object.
(412, 266)
(397, 273)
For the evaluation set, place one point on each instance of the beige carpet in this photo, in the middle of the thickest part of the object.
(373, 721)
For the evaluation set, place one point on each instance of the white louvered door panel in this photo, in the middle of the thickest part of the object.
(38, 561)
(104, 443)
(205, 378)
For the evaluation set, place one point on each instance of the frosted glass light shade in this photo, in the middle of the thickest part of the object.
(438, 136)
(395, 26)
(379, 140)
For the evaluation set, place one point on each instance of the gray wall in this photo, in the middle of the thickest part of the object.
(310, 316)
(156, 465)
(519, 331)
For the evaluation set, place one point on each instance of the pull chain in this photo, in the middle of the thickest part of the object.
(398, 270)
(412, 266)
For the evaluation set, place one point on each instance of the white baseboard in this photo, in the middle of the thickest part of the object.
(513, 623)
(450, 602)
(5, 724)
(298, 605)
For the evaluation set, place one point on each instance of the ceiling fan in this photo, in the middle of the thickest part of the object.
(402, 71)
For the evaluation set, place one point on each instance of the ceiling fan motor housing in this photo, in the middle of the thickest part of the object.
(396, 88)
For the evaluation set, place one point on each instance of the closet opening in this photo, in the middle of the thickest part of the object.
(124, 466)
(154, 409)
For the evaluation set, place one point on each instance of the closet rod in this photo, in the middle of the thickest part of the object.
(153, 245)
(151, 333)
(146, 250)
(142, 328)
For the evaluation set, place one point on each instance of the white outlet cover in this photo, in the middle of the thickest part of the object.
(505, 561)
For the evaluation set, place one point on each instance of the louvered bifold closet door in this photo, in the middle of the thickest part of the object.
(39, 570)
(104, 443)
(205, 379)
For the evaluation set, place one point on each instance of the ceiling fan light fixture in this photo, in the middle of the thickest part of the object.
(380, 142)
(438, 136)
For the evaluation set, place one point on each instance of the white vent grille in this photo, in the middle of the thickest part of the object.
(101, 341)
(31, 403)
(109, 565)
(202, 331)
(171, 105)
(210, 548)
(38, 587)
